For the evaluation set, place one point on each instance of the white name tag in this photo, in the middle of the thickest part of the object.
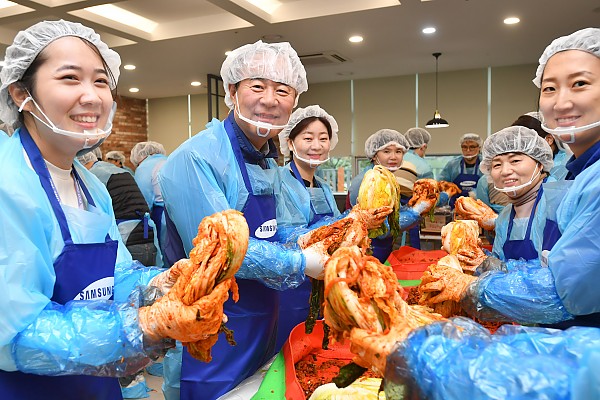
(544, 258)
(266, 230)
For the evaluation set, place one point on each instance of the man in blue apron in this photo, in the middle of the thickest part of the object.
(230, 165)
(148, 158)
(464, 170)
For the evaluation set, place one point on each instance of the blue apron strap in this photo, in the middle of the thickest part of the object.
(39, 166)
(531, 216)
(238, 154)
(294, 169)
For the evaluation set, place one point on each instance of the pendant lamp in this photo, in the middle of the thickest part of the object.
(437, 121)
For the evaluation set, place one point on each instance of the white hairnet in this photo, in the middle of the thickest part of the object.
(587, 40)
(535, 114)
(417, 137)
(277, 62)
(29, 43)
(298, 116)
(116, 155)
(516, 139)
(144, 149)
(382, 139)
(93, 155)
(470, 136)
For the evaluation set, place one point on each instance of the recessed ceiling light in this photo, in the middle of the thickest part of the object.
(511, 20)
(6, 4)
(123, 16)
(429, 30)
(228, 52)
(134, 90)
(356, 39)
(196, 83)
(129, 67)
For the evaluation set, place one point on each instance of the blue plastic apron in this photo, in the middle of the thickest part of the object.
(253, 318)
(465, 181)
(294, 303)
(77, 267)
(515, 249)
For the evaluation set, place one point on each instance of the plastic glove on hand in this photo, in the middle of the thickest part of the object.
(165, 280)
(425, 195)
(491, 263)
(448, 281)
(169, 317)
(372, 218)
(315, 258)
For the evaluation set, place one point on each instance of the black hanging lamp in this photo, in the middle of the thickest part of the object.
(437, 121)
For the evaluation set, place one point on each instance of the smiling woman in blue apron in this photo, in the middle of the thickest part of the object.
(307, 139)
(561, 287)
(60, 243)
(230, 165)
(464, 170)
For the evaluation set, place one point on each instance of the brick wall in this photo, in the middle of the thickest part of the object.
(129, 126)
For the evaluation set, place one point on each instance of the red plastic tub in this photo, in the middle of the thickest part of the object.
(409, 263)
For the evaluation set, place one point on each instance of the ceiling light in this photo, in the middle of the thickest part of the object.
(268, 6)
(124, 17)
(196, 83)
(511, 20)
(356, 39)
(437, 121)
(429, 30)
(134, 90)
(129, 67)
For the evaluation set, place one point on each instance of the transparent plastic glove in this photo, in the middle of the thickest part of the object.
(169, 317)
(166, 279)
(315, 257)
(372, 218)
(443, 200)
(491, 263)
(451, 283)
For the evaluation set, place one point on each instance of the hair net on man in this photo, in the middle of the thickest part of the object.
(298, 116)
(29, 43)
(470, 136)
(277, 62)
(116, 155)
(587, 40)
(417, 137)
(144, 149)
(382, 139)
(516, 139)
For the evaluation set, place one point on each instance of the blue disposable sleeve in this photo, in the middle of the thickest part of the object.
(459, 359)
(525, 294)
(443, 200)
(408, 218)
(100, 338)
(276, 265)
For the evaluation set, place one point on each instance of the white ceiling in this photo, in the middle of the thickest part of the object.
(192, 36)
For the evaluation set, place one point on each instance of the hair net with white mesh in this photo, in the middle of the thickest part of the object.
(516, 139)
(298, 116)
(382, 139)
(93, 155)
(587, 40)
(277, 62)
(28, 44)
(470, 136)
(116, 155)
(144, 149)
(417, 137)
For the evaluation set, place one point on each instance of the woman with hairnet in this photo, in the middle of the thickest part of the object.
(60, 243)
(230, 165)
(518, 161)
(459, 359)
(148, 158)
(118, 158)
(418, 140)
(385, 147)
(307, 139)
(464, 170)
(565, 291)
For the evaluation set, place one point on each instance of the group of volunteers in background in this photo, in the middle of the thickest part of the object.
(83, 240)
